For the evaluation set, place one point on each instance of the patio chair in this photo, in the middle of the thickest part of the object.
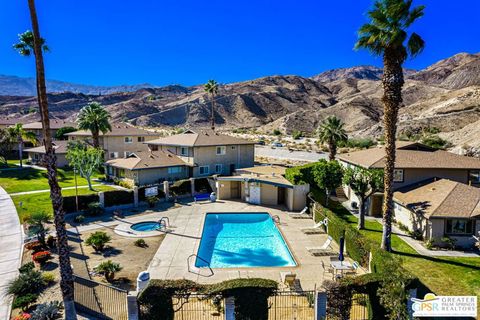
(327, 269)
(355, 267)
(324, 250)
(300, 215)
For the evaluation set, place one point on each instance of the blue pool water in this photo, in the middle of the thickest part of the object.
(145, 226)
(242, 240)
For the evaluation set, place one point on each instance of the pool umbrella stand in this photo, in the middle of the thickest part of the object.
(342, 245)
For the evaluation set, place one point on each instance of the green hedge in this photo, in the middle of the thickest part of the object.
(69, 204)
(301, 174)
(181, 187)
(118, 197)
(202, 185)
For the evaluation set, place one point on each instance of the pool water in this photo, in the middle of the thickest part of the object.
(145, 226)
(242, 240)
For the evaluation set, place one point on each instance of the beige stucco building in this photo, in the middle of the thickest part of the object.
(263, 185)
(35, 155)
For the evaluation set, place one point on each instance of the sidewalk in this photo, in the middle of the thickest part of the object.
(48, 190)
(11, 240)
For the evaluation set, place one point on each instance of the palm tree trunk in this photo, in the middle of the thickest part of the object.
(213, 112)
(96, 139)
(361, 214)
(392, 82)
(20, 151)
(66, 283)
(332, 148)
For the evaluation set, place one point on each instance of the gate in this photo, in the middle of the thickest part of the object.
(197, 307)
(100, 300)
(292, 305)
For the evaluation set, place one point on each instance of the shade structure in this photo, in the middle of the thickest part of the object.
(341, 245)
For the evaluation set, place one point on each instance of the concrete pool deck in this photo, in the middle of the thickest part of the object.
(170, 261)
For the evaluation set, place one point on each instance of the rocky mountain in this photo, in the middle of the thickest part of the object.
(445, 96)
(18, 86)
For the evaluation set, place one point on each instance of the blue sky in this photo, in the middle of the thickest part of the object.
(107, 42)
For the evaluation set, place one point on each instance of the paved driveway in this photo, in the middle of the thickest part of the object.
(11, 240)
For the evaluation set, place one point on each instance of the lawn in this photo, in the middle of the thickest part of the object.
(29, 179)
(41, 201)
(442, 275)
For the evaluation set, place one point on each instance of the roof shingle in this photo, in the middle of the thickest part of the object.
(147, 160)
(199, 138)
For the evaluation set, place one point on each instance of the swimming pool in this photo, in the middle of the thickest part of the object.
(145, 226)
(242, 240)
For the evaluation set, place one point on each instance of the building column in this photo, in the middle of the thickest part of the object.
(101, 199)
(135, 196)
(192, 186)
(166, 190)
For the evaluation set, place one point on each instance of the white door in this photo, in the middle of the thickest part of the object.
(254, 193)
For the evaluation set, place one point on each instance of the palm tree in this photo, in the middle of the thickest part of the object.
(26, 46)
(211, 87)
(20, 136)
(95, 118)
(386, 35)
(331, 132)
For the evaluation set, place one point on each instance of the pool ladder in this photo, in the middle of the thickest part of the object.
(276, 219)
(196, 255)
(164, 222)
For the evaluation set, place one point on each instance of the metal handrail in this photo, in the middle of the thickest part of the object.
(166, 220)
(196, 255)
(276, 219)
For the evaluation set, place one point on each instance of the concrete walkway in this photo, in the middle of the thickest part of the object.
(11, 242)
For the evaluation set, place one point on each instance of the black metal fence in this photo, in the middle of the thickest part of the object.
(292, 305)
(197, 307)
(100, 300)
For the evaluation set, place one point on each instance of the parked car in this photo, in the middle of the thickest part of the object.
(277, 145)
(261, 142)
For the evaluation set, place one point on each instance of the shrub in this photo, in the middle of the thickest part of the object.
(51, 241)
(416, 234)
(41, 257)
(301, 174)
(140, 243)
(108, 269)
(297, 134)
(429, 244)
(277, 132)
(25, 283)
(449, 242)
(97, 240)
(35, 246)
(22, 316)
(23, 302)
(95, 209)
(359, 143)
(181, 187)
(202, 185)
(47, 311)
(79, 219)
(27, 267)
(435, 142)
(152, 201)
(48, 278)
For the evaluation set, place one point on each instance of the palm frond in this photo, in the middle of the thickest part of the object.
(415, 45)
(414, 14)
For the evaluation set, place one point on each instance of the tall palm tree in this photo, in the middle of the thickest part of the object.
(95, 118)
(211, 87)
(20, 136)
(331, 131)
(36, 44)
(386, 35)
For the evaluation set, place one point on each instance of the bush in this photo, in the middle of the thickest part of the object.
(297, 134)
(51, 241)
(301, 174)
(277, 132)
(152, 201)
(449, 242)
(95, 209)
(41, 257)
(47, 311)
(140, 243)
(202, 185)
(35, 246)
(429, 244)
(22, 316)
(97, 240)
(434, 141)
(79, 219)
(359, 143)
(48, 278)
(108, 269)
(25, 283)
(118, 197)
(27, 267)
(23, 302)
(181, 187)
(69, 204)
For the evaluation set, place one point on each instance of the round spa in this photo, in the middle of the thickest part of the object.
(145, 226)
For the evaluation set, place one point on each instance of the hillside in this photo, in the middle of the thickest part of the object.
(445, 95)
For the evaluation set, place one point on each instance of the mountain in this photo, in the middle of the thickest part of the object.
(445, 96)
(18, 86)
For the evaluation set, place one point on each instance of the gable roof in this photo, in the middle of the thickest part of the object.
(147, 160)
(54, 124)
(199, 138)
(411, 155)
(60, 147)
(440, 199)
(270, 174)
(118, 130)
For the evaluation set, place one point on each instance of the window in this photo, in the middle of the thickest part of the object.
(153, 147)
(474, 177)
(110, 170)
(141, 139)
(398, 175)
(173, 170)
(218, 168)
(459, 227)
(127, 153)
(234, 147)
(113, 155)
(204, 170)
(121, 173)
(184, 151)
(221, 150)
(128, 140)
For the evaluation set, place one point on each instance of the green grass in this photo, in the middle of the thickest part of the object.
(29, 179)
(41, 201)
(442, 275)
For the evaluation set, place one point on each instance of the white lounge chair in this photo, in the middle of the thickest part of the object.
(300, 215)
(325, 249)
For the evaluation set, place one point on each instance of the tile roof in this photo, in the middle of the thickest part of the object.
(54, 124)
(441, 198)
(411, 156)
(120, 129)
(270, 174)
(147, 160)
(60, 147)
(199, 138)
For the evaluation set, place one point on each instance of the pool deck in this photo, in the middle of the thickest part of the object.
(170, 261)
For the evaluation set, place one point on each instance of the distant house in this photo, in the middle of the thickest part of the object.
(440, 208)
(8, 122)
(208, 152)
(264, 185)
(55, 124)
(123, 140)
(148, 167)
(36, 155)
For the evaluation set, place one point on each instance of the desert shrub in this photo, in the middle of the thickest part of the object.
(98, 240)
(277, 132)
(95, 209)
(435, 142)
(297, 134)
(41, 257)
(108, 269)
(27, 267)
(23, 302)
(25, 283)
(47, 311)
(140, 243)
(48, 278)
(51, 241)
(359, 143)
(79, 219)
